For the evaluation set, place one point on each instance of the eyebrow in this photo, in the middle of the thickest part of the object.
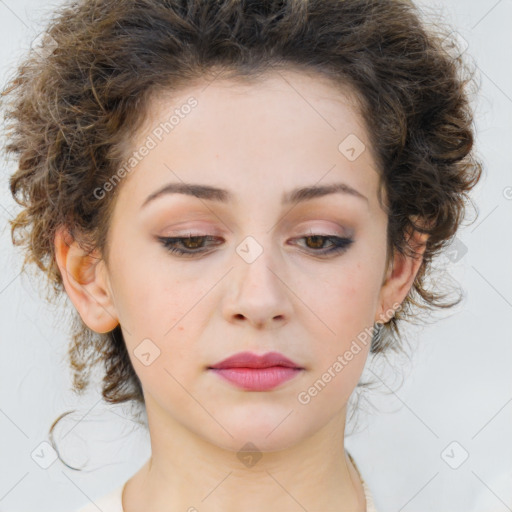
(210, 193)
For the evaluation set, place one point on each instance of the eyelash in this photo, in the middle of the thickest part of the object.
(340, 244)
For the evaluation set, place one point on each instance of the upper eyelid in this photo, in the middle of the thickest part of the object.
(215, 237)
(319, 231)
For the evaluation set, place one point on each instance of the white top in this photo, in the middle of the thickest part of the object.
(112, 502)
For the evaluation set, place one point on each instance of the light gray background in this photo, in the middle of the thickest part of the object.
(457, 387)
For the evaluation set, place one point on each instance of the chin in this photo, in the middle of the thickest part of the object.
(265, 436)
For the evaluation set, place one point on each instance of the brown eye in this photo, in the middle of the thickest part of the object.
(193, 242)
(336, 244)
(317, 241)
(195, 245)
(188, 245)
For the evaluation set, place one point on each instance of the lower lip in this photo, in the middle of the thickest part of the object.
(257, 379)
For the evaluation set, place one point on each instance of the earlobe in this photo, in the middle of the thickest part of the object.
(400, 275)
(86, 282)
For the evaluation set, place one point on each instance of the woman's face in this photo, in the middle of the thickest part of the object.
(261, 277)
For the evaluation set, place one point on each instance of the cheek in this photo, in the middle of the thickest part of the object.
(161, 323)
(156, 302)
(347, 304)
(348, 307)
(161, 307)
(349, 296)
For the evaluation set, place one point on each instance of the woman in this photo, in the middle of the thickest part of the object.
(241, 200)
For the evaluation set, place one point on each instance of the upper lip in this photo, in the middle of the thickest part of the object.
(250, 360)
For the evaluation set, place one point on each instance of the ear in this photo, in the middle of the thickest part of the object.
(86, 282)
(400, 274)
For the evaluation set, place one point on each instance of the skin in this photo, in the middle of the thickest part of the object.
(258, 141)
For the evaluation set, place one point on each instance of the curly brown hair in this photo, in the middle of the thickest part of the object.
(73, 104)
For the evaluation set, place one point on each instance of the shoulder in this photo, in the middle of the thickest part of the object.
(110, 502)
(370, 505)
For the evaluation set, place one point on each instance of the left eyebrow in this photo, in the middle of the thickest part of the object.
(312, 192)
(210, 193)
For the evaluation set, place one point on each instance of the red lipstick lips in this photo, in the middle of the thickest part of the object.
(253, 372)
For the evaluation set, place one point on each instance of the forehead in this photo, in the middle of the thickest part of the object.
(286, 128)
(306, 93)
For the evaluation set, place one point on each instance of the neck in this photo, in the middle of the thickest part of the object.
(186, 472)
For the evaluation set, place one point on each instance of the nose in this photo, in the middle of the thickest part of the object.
(259, 290)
